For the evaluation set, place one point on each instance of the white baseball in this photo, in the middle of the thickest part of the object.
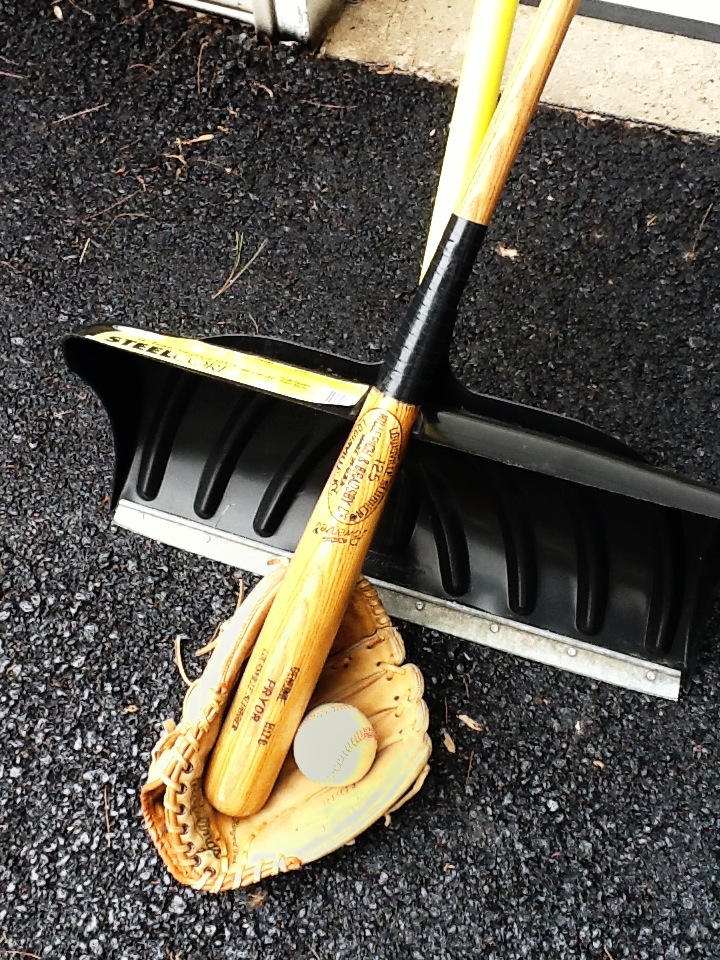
(335, 744)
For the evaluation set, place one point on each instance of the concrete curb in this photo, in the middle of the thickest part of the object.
(608, 68)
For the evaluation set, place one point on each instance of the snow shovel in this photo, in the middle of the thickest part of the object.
(506, 525)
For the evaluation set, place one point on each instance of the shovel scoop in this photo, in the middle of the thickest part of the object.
(506, 525)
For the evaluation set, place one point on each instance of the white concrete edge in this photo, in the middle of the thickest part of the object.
(603, 68)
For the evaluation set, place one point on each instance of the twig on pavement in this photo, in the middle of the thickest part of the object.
(113, 206)
(236, 273)
(80, 113)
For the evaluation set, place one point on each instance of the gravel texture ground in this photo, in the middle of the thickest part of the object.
(582, 821)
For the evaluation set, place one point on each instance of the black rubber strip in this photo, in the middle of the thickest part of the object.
(509, 508)
(449, 531)
(400, 515)
(160, 434)
(593, 575)
(244, 421)
(321, 438)
(665, 601)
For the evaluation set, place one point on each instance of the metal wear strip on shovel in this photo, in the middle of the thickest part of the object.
(509, 526)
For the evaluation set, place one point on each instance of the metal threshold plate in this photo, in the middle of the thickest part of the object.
(446, 616)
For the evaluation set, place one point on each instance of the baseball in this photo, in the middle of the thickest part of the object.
(335, 744)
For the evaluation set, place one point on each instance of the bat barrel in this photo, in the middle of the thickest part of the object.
(296, 638)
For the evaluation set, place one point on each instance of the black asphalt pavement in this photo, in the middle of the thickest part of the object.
(582, 822)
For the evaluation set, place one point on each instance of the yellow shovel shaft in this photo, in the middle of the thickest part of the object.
(477, 96)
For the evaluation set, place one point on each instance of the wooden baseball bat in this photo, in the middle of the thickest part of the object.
(295, 640)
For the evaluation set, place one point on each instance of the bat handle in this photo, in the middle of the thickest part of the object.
(296, 638)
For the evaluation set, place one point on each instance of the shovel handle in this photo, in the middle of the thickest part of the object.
(293, 645)
(477, 96)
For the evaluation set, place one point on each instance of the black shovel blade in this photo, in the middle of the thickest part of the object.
(510, 526)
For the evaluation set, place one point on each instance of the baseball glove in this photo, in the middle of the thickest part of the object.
(301, 820)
